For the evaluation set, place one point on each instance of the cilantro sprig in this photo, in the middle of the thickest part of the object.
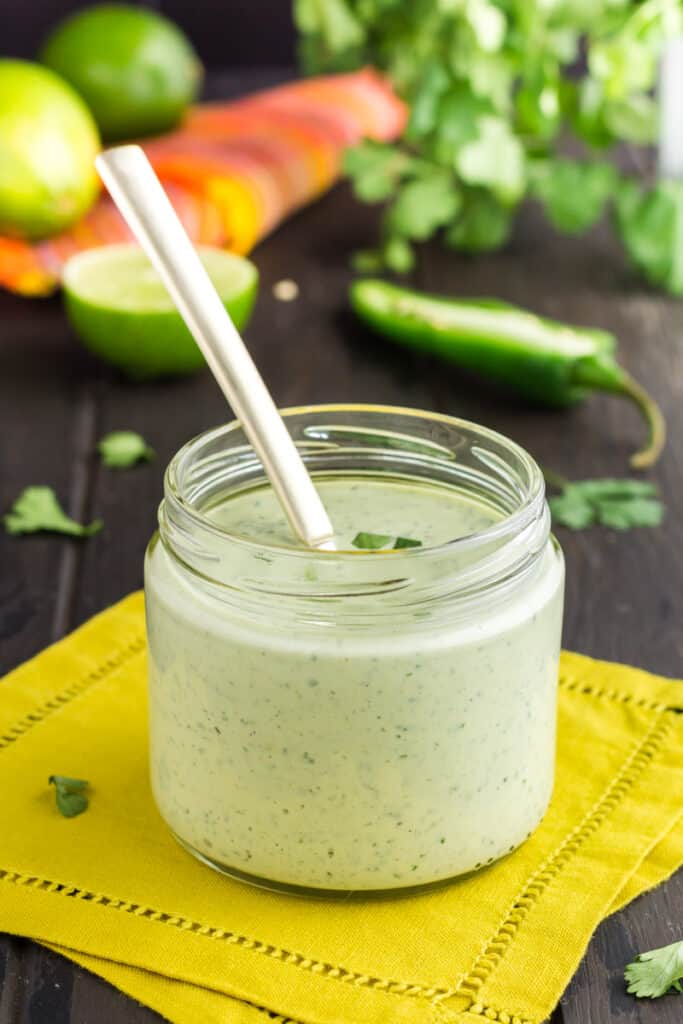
(70, 795)
(619, 504)
(490, 105)
(124, 448)
(656, 972)
(650, 221)
(377, 541)
(37, 509)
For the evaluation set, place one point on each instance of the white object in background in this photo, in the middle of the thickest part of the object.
(138, 193)
(670, 162)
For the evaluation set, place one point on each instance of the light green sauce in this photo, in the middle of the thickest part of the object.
(430, 513)
(336, 758)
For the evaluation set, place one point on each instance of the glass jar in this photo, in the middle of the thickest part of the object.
(348, 721)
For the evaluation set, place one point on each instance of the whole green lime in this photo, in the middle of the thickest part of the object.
(134, 68)
(121, 311)
(48, 142)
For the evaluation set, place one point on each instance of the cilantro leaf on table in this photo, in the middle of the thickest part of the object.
(37, 509)
(572, 509)
(656, 972)
(123, 448)
(619, 504)
(70, 795)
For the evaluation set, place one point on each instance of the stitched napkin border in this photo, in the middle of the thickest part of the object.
(624, 841)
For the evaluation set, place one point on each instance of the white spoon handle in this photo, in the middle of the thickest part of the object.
(138, 193)
(670, 155)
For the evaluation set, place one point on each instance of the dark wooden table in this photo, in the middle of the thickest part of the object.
(623, 592)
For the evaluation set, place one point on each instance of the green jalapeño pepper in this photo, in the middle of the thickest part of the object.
(540, 359)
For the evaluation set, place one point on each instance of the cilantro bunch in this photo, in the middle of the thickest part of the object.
(490, 98)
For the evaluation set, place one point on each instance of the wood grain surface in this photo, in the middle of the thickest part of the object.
(623, 592)
(227, 34)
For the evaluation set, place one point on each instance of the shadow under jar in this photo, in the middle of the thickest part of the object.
(355, 720)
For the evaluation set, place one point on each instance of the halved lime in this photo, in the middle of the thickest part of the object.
(122, 312)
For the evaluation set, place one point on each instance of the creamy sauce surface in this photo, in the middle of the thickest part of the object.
(429, 513)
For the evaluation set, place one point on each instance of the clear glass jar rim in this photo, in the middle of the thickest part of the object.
(509, 524)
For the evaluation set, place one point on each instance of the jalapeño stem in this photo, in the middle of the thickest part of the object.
(603, 373)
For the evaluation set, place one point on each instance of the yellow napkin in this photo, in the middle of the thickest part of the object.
(112, 890)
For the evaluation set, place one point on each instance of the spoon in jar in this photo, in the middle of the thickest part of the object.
(139, 196)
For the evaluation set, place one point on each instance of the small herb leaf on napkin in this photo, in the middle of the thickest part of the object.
(619, 504)
(37, 509)
(654, 973)
(123, 448)
(70, 793)
(376, 541)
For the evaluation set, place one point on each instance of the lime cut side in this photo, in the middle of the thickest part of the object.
(122, 312)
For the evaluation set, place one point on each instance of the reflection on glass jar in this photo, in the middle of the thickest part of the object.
(358, 720)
